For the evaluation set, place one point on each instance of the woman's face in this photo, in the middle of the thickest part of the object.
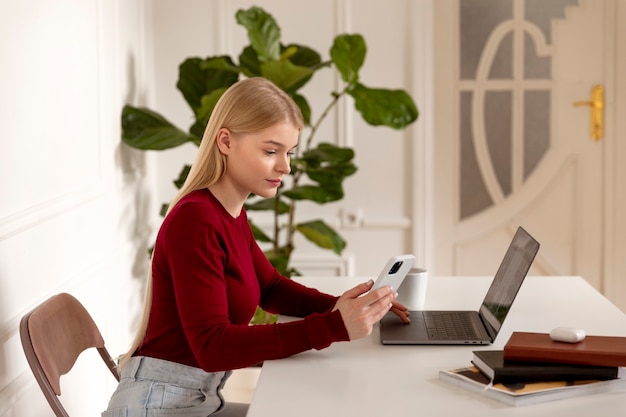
(257, 162)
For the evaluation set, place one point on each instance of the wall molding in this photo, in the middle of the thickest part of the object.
(39, 213)
(315, 265)
(421, 14)
(11, 394)
(364, 223)
(10, 327)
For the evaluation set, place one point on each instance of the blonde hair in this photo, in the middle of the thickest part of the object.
(249, 105)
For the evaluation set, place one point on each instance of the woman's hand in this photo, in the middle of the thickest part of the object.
(401, 311)
(360, 311)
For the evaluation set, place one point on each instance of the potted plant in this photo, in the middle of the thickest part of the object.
(319, 168)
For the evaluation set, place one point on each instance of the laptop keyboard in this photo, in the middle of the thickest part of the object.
(449, 325)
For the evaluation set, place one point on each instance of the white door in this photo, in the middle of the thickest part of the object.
(510, 146)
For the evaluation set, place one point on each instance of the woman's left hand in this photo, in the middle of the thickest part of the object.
(400, 311)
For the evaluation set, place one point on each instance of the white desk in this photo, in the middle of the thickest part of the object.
(366, 379)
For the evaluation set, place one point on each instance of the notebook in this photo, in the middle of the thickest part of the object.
(468, 327)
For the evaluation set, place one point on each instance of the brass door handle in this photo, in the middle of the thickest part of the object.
(597, 112)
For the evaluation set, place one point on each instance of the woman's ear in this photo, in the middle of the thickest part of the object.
(223, 140)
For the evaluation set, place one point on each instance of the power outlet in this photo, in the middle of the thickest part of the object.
(351, 219)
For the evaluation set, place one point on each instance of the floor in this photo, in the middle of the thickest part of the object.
(241, 385)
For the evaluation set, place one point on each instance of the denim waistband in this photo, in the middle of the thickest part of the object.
(144, 367)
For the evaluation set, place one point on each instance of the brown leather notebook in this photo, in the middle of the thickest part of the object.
(593, 350)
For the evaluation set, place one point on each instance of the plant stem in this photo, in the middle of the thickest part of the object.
(276, 224)
(296, 176)
(333, 102)
(292, 218)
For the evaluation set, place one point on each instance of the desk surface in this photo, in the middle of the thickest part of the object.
(364, 378)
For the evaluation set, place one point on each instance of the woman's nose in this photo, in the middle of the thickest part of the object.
(284, 165)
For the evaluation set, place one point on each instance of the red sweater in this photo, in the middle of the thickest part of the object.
(208, 276)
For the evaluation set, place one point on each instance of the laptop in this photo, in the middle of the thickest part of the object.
(468, 327)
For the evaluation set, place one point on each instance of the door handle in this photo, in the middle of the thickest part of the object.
(597, 112)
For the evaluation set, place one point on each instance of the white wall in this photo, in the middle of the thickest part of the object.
(75, 207)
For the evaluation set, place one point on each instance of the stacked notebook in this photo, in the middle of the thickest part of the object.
(533, 368)
(539, 347)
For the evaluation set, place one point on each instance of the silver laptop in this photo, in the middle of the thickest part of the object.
(468, 327)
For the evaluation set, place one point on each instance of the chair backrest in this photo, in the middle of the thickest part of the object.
(53, 335)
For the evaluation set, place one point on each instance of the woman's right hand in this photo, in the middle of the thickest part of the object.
(361, 311)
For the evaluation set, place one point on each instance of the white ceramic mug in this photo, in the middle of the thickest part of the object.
(412, 291)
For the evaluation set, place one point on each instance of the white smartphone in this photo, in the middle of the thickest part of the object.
(394, 272)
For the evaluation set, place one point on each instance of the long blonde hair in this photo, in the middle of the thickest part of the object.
(249, 105)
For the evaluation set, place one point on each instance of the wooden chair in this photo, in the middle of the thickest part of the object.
(53, 335)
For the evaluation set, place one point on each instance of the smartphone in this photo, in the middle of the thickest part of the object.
(394, 272)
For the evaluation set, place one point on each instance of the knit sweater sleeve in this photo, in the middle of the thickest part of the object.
(281, 295)
(214, 303)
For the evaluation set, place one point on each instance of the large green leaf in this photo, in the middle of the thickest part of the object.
(258, 234)
(329, 165)
(262, 317)
(279, 258)
(263, 32)
(302, 102)
(269, 204)
(198, 77)
(285, 74)
(220, 63)
(147, 130)
(203, 113)
(391, 108)
(182, 176)
(331, 177)
(322, 235)
(327, 153)
(303, 56)
(249, 62)
(163, 211)
(316, 193)
(348, 54)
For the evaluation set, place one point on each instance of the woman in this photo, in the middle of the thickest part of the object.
(209, 275)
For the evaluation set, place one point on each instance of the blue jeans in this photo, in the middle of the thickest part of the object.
(152, 387)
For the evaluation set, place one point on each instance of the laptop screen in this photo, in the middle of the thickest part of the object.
(508, 280)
